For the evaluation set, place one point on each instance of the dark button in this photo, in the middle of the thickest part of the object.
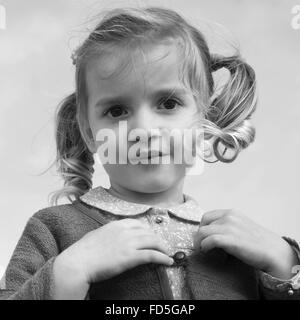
(179, 258)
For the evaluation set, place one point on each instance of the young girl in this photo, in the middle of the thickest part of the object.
(143, 238)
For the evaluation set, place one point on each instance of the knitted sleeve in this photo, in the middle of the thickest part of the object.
(29, 273)
(273, 288)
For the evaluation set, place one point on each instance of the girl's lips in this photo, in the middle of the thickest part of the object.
(154, 154)
(149, 154)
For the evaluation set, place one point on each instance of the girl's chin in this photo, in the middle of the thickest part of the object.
(152, 186)
(148, 178)
(154, 182)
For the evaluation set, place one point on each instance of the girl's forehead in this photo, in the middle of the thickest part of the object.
(149, 64)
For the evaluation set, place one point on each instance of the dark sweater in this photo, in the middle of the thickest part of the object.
(29, 274)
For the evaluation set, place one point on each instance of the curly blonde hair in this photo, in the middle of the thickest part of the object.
(226, 115)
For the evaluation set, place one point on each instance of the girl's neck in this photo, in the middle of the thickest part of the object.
(170, 197)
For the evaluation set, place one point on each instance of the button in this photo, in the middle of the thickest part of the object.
(290, 292)
(159, 219)
(179, 255)
(179, 258)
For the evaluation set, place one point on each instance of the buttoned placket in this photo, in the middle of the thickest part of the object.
(159, 218)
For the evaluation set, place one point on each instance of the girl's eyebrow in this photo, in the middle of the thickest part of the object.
(162, 92)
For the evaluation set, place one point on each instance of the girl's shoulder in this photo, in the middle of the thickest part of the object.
(65, 215)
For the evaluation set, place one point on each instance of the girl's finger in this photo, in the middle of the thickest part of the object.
(153, 256)
(211, 216)
(216, 241)
(150, 242)
(206, 231)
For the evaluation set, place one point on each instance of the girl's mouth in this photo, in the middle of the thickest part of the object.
(154, 154)
(149, 154)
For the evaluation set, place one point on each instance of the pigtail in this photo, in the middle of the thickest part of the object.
(231, 110)
(74, 160)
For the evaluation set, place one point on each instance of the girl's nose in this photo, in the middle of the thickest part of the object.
(147, 123)
(144, 120)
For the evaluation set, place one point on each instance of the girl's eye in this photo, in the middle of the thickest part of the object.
(116, 111)
(170, 104)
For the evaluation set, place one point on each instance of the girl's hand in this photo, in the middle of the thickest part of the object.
(114, 248)
(247, 241)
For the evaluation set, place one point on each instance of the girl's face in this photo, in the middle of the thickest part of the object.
(140, 95)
